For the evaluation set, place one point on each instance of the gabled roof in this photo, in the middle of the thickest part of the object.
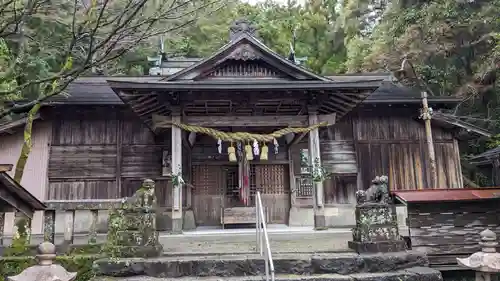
(14, 196)
(448, 120)
(245, 48)
(486, 157)
(95, 90)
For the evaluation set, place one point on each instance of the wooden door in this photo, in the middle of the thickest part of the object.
(273, 183)
(208, 193)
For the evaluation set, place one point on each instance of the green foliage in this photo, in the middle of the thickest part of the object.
(494, 141)
(454, 45)
(19, 245)
(317, 36)
(9, 82)
(18, 256)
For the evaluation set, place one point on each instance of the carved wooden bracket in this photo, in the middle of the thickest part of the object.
(244, 52)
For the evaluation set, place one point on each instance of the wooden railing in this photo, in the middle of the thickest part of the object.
(62, 219)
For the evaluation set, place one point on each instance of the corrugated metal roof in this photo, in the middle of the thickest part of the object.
(446, 195)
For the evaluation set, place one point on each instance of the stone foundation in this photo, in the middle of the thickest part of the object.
(410, 274)
(377, 247)
(340, 216)
(253, 265)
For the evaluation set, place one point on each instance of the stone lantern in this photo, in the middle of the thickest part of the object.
(46, 270)
(486, 263)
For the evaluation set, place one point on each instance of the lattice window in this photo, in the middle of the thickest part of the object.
(231, 181)
(271, 179)
(207, 180)
(304, 187)
(253, 183)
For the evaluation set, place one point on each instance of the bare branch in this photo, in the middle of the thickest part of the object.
(96, 34)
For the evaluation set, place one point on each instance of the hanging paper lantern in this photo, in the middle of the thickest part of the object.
(264, 151)
(248, 152)
(232, 153)
(276, 145)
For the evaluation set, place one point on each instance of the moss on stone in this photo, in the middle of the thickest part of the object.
(132, 226)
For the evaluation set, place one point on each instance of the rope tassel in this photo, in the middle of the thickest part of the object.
(248, 152)
(232, 153)
(244, 136)
(264, 152)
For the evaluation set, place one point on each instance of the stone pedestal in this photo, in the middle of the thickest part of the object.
(132, 227)
(376, 229)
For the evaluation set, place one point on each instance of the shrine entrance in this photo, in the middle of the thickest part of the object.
(221, 198)
(246, 95)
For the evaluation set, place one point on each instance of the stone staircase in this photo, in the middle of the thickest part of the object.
(399, 266)
(230, 255)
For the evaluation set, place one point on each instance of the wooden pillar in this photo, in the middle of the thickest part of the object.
(315, 153)
(176, 170)
(293, 183)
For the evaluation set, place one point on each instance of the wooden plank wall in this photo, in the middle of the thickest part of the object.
(340, 188)
(446, 231)
(396, 146)
(101, 153)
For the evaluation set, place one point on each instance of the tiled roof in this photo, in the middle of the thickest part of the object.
(95, 90)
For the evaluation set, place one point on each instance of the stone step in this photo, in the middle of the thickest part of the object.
(409, 274)
(254, 265)
(334, 240)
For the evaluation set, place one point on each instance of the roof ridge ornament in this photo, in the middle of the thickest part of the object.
(241, 26)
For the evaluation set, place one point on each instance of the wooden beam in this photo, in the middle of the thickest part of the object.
(246, 121)
(289, 138)
(297, 138)
(119, 155)
(6, 167)
(330, 119)
(160, 121)
(315, 153)
(176, 170)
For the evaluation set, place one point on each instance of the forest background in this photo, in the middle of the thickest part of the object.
(453, 44)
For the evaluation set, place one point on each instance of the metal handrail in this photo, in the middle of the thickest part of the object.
(263, 238)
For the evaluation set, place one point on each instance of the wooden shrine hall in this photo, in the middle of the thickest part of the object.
(246, 119)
